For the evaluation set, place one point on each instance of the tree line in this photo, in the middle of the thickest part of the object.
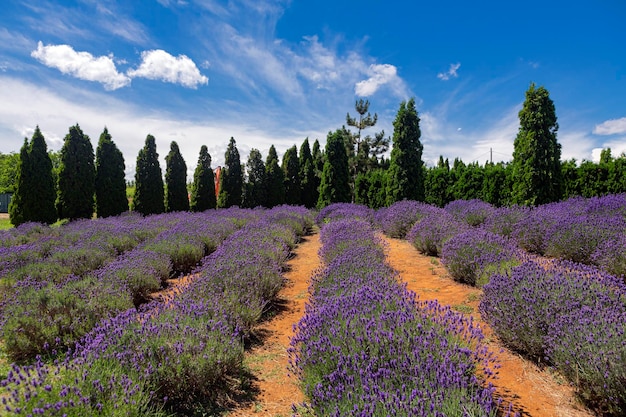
(351, 168)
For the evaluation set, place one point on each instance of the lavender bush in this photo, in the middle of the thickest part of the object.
(503, 220)
(338, 211)
(430, 234)
(362, 327)
(471, 212)
(472, 256)
(397, 219)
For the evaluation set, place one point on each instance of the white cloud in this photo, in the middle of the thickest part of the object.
(452, 72)
(611, 127)
(380, 75)
(160, 65)
(81, 65)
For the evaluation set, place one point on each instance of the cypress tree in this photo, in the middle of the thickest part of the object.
(77, 177)
(231, 189)
(177, 198)
(19, 202)
(149, 193)
(536, 162)
(111, 197)
(335, 184)
(42, 189)
(256, 187)
(308, 179)
(275, 179)
(291, 169)
(405, 180)
(203, 189)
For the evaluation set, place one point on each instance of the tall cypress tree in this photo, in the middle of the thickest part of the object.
(177, 198)
(149, 193)
(42, 194)
(18, 208)
(405, 180)
(308, 180)
(335, 184)
(291, 169)
(255, 193)
(231, 189)
(275, 179)
(203, 190)
(536, 163)
(111, 197)
(77, 177)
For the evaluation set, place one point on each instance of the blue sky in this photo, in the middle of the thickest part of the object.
(276, 71)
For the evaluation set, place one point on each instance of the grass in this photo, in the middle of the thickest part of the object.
(5, 222)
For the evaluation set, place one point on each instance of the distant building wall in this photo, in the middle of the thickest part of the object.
(5, 200)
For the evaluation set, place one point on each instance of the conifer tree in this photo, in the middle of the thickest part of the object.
(537, 154)
(275, 179)
(231, 189)
(405, 179)
(308, 180)
(291, 169)
(111, 197)
(255, 194)
(176, 198)
(335, 184)
(149, 193)
(77, 177)
(203, 189)
(42, 193)
(18, 208)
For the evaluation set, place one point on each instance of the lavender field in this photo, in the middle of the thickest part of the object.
(85, 336)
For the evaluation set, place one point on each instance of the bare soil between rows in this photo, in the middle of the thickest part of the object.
(530, 389)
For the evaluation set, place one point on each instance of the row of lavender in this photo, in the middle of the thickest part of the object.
(176, 357)
(57, 283)
(365, 346)
(564, 313)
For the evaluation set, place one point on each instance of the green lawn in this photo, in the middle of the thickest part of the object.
(5, 223)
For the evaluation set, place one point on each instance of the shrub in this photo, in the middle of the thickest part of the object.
(472, 212)
(430, 234)
(397, 219)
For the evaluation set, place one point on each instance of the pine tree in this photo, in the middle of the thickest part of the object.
(77, 177)
(335, 184)
(275, 179)
(19, 212)
(176, 198)
(308, 179)
(149, 193)
(537, 154)
(405, 179)
(203, 190)
(291, 169)
(231, 189)
(255, 194)
(111, 197)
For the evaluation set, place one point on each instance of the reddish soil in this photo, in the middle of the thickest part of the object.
(532, 391)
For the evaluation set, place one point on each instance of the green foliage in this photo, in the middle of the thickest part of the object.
(438, 184)
(291, 169)
(149, 193)
(309, 181)
(275, 180)
(231, 189)
(77, 177)
(35, 194)
(406, 176)
(8, 172)
(537, 154)
(335, 184)
(176, 198)
(110, 178)
(370, 190)
(203, 189)
(255, 193)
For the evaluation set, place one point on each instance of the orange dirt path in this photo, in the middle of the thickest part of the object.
(532, 391)
(267, 360)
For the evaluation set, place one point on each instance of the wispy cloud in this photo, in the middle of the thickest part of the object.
(611, 127)
(160, 65)
(82, 65)
(380, 75)
(451, 73)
